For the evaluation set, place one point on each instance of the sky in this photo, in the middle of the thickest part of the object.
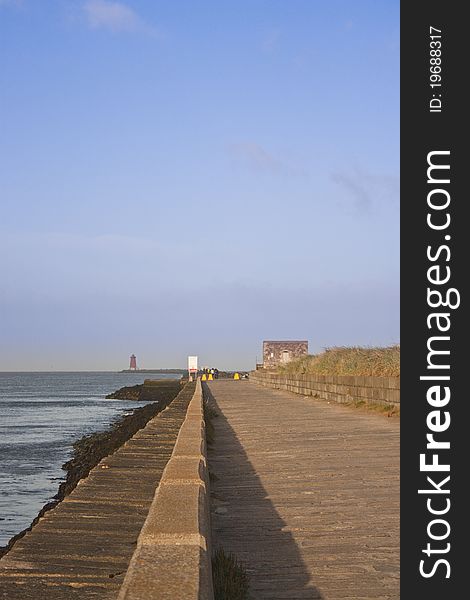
(194, 177)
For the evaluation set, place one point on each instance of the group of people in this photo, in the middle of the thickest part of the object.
(210, 371)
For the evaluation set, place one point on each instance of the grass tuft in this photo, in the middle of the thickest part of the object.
(391, 410)
(229, 577)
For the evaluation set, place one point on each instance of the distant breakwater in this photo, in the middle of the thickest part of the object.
(149, 391)
(161, 371)
(90, 449)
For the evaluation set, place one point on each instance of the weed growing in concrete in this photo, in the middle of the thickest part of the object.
(391, 410)
(229, 577)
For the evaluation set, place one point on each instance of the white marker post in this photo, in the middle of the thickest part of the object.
(192, 367)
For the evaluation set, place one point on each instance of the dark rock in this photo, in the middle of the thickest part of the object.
(126, 393)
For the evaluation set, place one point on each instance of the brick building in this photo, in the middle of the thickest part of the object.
(276, 353)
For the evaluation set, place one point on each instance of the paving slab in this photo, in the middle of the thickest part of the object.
(305, 493)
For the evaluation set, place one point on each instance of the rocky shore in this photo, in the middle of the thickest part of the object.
(90, 449)
(131, 392)
(152, 390)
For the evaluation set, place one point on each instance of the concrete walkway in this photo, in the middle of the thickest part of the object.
(82, 548)
(306, 494)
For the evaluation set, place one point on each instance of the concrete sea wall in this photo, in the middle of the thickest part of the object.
(336, 388)
(173, 554)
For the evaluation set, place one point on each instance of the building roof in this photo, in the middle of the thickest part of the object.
(284, 341)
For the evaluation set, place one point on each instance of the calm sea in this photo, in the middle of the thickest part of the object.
(41, 415)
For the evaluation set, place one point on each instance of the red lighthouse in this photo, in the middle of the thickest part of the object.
(133, 363)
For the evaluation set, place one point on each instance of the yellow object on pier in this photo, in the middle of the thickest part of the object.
(210, 378)
(236, 376)
(203, 378)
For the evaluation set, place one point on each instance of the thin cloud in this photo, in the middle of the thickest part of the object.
(367, 190)
(254, 156)
(270, 41)
(113, 16)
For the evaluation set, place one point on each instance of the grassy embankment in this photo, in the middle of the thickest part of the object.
(368, 362)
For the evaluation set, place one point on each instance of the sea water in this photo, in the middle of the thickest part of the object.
(41, 416)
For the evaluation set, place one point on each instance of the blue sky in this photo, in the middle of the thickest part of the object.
(192, 177)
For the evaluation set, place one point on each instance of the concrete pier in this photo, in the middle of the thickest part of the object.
(306, 494)
(83, 547)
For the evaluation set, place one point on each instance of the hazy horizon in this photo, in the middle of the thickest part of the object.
(98, 370)
(181, 179)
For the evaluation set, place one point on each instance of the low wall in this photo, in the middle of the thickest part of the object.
(337, 388)
(173, 554)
